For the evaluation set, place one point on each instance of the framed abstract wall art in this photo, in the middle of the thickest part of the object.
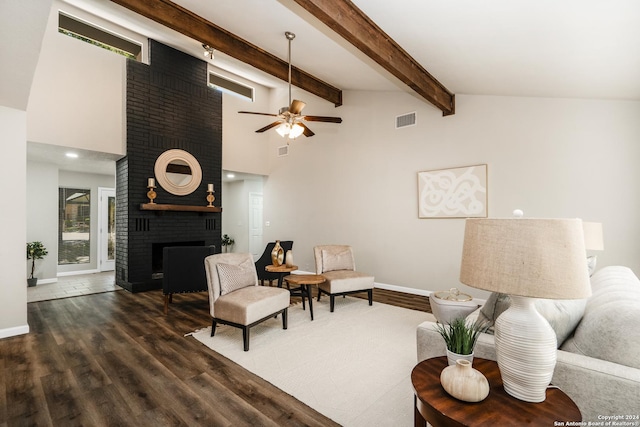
(453, 193)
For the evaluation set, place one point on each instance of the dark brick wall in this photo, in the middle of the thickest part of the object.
(169, 105)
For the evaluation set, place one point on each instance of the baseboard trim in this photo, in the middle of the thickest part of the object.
(12, 332)
(403, 289)
(76, 273)
(412, 291)
(46, 281)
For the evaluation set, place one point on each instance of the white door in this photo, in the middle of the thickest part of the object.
(107, 229)
(255, 225)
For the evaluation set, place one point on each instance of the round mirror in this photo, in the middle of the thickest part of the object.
(178, 172)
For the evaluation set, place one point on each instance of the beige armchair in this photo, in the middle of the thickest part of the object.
(337, 265)
(236, 299)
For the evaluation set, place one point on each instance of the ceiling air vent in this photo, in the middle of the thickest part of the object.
(283, 151)
(405, 120)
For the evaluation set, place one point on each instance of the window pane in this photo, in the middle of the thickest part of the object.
(111, 244)
(73, 27)
(75, 223)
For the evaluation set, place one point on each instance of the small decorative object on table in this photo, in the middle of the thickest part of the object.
(460, 338)
(277, 254)
(151, 194)
(289, 258)
(449, 305)
(463, 382)
(210, 197)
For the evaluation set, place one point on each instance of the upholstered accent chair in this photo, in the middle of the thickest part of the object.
(265, 259)
(236, 299)
(337, 264)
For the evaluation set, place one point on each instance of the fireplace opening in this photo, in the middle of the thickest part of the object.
(157, 250)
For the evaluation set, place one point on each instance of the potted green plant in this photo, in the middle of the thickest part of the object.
(35, 250)
(460, 337)
(227, 243)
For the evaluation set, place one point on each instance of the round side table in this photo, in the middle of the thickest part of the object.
(282, 270)
(304, 281)
(436, 406)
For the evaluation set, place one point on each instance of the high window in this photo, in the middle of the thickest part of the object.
(91, 34)
(230, 86)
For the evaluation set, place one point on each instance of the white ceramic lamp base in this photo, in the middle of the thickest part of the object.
(525, 350)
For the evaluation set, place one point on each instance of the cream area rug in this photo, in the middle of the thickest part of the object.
(352, 365)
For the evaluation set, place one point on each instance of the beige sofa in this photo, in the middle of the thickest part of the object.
(598, 364)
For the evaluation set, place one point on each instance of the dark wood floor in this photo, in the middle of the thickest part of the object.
(115, 359)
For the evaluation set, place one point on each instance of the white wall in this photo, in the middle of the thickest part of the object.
(42, 217)
(78, 93)
(244, 150)
(358, 185)
(13, 282)
(235, 214)
(21, 28)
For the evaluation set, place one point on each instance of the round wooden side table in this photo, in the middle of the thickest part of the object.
(282, 270)
(304, 281)
(434, 405)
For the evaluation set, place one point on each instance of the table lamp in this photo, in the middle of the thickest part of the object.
(593, 241)
(526, 258)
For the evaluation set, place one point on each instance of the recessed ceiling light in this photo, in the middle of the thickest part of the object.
(72, 155)
(230, 175)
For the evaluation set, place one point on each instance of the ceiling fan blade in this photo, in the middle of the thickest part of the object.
(296, 106)
(269, 126)
(306, 132)
(323, 119)
(262, 114)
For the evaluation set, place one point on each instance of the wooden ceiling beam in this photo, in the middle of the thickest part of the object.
(343, 17)
(191, 25)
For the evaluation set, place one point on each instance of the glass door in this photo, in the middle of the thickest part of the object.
(107, 230)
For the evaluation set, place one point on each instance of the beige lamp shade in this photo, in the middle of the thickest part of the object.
(531, 257)
(593, 240)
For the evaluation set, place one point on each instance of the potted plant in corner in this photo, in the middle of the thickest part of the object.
(460, 337)
(35, 250)
(227, 243)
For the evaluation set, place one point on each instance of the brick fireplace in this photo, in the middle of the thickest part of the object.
(169, 106)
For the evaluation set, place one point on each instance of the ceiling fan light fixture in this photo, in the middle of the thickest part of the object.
(296, 131)
(283, 130)
(289, 123)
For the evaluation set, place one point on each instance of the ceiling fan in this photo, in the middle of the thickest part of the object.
(289, 123)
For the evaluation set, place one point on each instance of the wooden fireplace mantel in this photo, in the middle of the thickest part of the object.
(178, 208)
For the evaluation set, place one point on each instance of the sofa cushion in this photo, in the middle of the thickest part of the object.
(610, 333)
(609, 328)
(562, 315)
(234, 277)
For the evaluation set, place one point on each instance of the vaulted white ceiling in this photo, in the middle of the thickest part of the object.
(547, 48)
(540, 48)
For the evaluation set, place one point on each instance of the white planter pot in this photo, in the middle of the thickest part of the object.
(452, 357)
